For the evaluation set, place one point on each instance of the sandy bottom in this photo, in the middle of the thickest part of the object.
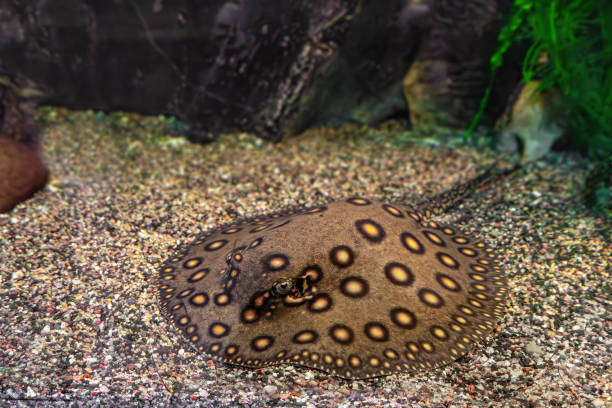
(79, 319)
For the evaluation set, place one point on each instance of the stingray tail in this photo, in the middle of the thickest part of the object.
(449, 200)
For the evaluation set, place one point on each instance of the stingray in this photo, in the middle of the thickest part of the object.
(356, 288)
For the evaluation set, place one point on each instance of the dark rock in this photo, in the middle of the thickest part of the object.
(362, 81)
(451, 72)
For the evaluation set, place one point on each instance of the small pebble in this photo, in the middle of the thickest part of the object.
(533, 348)
(270, 389)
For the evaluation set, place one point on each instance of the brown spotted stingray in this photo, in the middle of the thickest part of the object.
(356, 288)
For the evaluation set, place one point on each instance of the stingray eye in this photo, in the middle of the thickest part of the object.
(282, 287)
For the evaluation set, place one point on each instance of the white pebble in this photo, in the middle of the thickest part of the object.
(270, 389)
(515, 373)
(17, 275)
(532, 347)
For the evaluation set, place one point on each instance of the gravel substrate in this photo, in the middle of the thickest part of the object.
(79, 319)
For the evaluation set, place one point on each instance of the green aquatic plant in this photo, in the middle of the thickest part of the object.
(570, 50)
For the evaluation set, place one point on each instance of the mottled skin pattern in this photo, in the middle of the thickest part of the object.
(357, 288)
